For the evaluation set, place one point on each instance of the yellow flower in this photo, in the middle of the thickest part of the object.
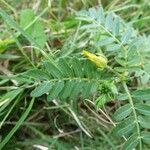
(100, 60)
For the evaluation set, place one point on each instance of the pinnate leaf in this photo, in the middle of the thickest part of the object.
(144, 121)
(126, 36)
(143, 94)
(123, 112)
(56, 89)
(41, 89)
(146, 137)
(131, 143)
(116, 26)
(143, 109)
(124, 127)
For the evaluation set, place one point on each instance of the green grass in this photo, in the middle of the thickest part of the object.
(51, 95)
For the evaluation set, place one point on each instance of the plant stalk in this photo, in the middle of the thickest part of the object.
(132, 104)
(134, 112)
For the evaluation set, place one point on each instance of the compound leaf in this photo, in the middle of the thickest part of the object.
(123, 112)
(143, 109)
(143, 94)
(56, 89)
(124, 127)
(146, 137)
(131, 143)
(144, 121)
(41, 89)
(126, 36)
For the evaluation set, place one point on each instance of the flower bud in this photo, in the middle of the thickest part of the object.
(100, 60)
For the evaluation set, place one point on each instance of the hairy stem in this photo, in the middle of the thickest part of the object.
(134, 112)
(132, 104)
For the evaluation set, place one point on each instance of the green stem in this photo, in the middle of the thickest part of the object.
(132, 104)
(134, 112)
(123, 82)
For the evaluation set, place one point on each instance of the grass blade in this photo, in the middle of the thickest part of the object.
(18, 124)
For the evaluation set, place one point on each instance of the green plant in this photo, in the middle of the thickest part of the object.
(67, 75)
(120, 41)
(117, 39)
